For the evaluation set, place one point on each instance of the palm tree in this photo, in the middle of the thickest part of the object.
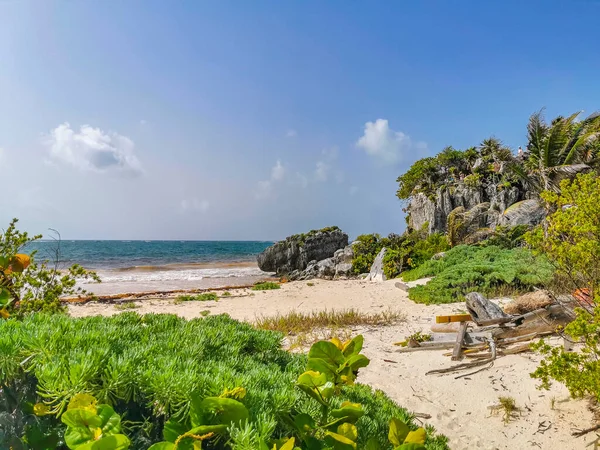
(559, 150)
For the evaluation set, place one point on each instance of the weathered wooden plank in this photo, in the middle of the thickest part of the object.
(456, 354)
(453, 318)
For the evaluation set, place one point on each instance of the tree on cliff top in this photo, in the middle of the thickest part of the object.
(559, 150)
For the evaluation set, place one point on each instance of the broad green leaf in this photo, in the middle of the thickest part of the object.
(327, 351)
(223, 411)
(114, 442)
(339, 442)
(313, 384)
(372, 444)
(411, 447)
(205, 429)
(78, 435)
(3, 262)
(162, 446)
(39, 409)
(398, 432)
(354, 346)
(337, 343)
(312, 379)
(349, 431)
(110, 420)
(5, 297)
(304, 423)
(348, 409)
(83, 401)
(75, 418)
(416, 437)
(322, 366)
(173, 429)
(356, 362)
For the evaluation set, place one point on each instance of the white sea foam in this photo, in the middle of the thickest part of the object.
(179, 275)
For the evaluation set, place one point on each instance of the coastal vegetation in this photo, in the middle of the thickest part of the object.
(204, 297)
(490, 270)
(571, 241)
(266, 286)
(137, 365)
(28, 284)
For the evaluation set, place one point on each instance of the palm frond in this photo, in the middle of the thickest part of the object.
(528, 179)
(536, 133)
(582, 144)
(558, 137)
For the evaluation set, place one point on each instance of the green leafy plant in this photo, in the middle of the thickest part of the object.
(91, 426)
(571, 240)
(28, 285)
(489, 270)
(266, 286)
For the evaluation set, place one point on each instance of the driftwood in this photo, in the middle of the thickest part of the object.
(456, 354)
(483, 311)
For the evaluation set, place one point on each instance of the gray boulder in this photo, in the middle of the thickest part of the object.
(526, 212)
(296, 252)
(338, 266)
(376, 273)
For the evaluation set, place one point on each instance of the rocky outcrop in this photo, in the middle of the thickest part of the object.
(526, 212)
(296, 252)
(434, 210)
(339, 266)
(377, 273)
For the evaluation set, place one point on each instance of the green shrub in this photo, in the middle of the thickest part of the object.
(266, 286)
(365, 250)
(508, 237)
(151, 368)
(489, 270)
(28, 285)
(571, 241)
(204, 297)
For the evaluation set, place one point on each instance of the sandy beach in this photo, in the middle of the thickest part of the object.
(462, 409)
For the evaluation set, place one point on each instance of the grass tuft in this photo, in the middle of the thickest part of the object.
(127, 305)
(204, 297)
(508, 407)
(298, 323)
(226, 294)
(266, 286)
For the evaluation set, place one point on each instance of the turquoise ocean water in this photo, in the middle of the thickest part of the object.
(156, 265)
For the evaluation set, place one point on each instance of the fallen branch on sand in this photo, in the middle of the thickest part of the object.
(494, 334)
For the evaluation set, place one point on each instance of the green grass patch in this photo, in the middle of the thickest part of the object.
(490, 270)
(266, 286)
(204, 297)
(150, 367)
(124, 306)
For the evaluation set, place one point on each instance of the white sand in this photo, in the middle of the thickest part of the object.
(459, 408)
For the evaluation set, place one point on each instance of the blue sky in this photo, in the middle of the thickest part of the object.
(255, 119)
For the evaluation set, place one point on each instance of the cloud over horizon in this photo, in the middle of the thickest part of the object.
(386, 145)
(92, 149)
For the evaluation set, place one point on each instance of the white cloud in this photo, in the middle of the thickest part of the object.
(278, 171)
(322, 171)
(265, 187)
(389, 146)
(92, 149)
(195, 205)
(291, 133)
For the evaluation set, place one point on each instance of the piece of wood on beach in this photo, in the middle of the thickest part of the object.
(453, 318)
(456, 354)
(483, 311)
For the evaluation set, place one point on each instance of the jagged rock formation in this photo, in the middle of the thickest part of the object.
(337, 267)
(377, 273)
(434, 211)
(296, 252)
